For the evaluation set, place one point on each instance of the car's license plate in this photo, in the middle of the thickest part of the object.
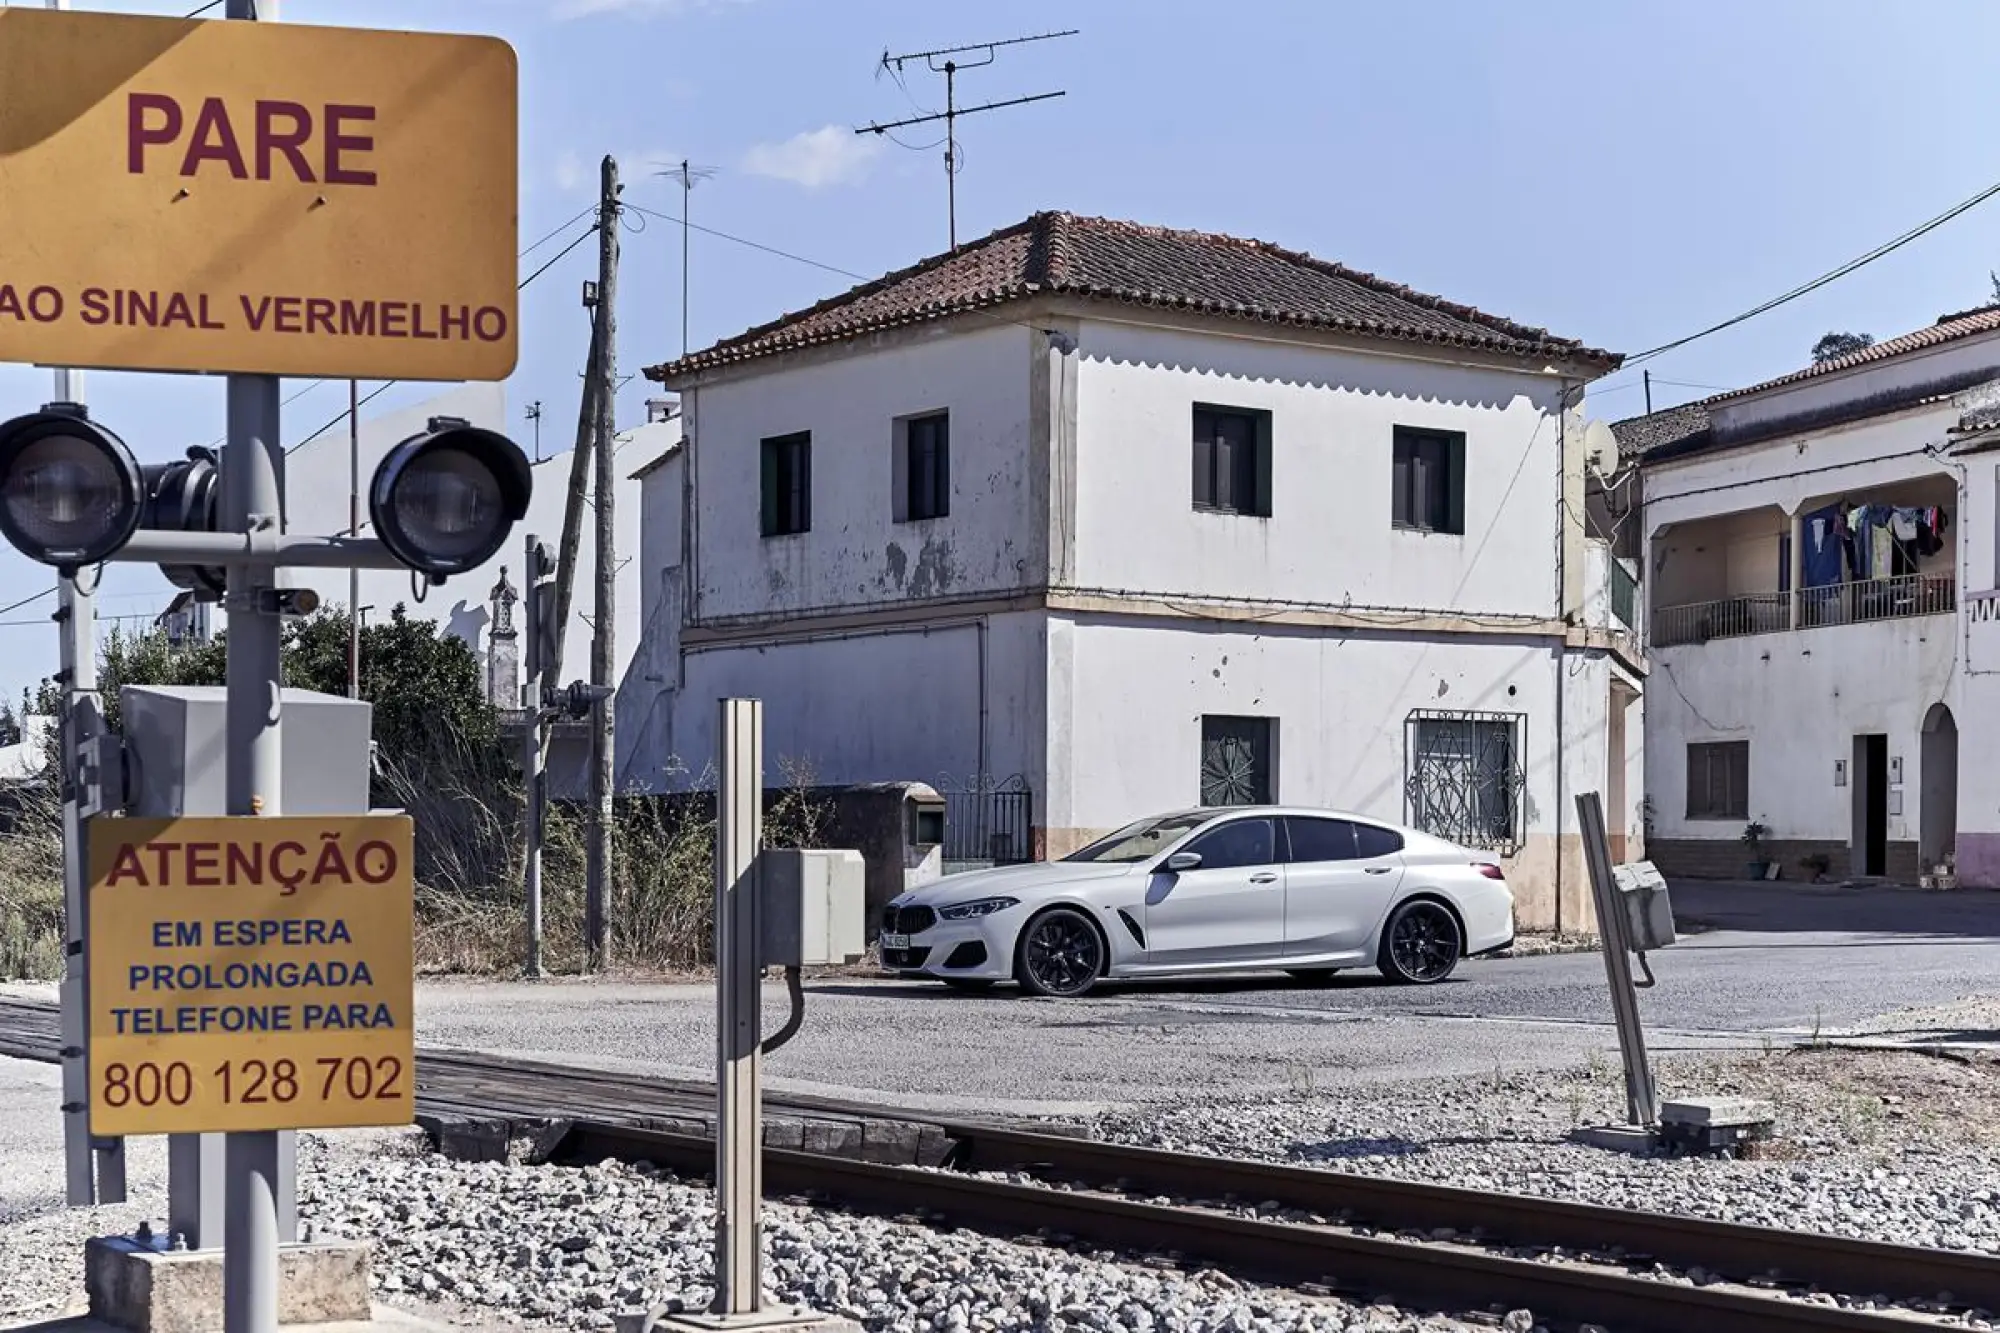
(895, 941)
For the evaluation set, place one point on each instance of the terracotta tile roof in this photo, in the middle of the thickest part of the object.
(1100, 259)
(1685, 429)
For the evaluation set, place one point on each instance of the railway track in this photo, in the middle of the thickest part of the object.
(1079, 1191)
(1450, 1279)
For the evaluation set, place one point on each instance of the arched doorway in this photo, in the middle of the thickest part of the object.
(1938, 814)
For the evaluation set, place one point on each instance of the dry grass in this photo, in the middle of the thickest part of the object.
(31, 891)
(467, 806)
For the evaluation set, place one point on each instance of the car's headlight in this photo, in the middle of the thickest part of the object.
(973, 910)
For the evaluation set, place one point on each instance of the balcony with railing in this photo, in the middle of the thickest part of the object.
(1812, 608)
(1839, 561)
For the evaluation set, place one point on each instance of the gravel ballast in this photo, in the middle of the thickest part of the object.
(1884, 1146)
(567, 1247)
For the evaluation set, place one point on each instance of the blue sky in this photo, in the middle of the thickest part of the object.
(1621, 172)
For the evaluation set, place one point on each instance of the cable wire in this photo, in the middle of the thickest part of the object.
(1832, 275)
(386, 385)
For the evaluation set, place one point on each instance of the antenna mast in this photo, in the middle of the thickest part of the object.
(689, 176)
(984, 53)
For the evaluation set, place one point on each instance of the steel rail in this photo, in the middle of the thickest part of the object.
(1733, 1250)
(1445, 1278)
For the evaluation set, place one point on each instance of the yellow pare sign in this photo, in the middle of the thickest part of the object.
(256, 198)
(250, 974)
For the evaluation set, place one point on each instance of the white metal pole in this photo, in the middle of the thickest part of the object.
(101, 1181)
(739, 1136)
(253, 462)
(354, 530)
(1641, 1100)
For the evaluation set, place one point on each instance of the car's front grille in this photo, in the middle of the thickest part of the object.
(907, 920)
(900, 959)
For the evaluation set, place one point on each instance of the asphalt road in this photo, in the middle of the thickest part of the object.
(1779, 961)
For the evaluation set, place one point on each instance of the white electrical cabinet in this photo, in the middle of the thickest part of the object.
(814, 909)
(1649, 913)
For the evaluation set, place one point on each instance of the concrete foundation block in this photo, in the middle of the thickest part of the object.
(1711, 1112)
(1635, 1139)
(143, 1287)
(772, 1319)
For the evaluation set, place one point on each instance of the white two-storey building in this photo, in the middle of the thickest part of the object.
(1820, 557)
(1090, 520)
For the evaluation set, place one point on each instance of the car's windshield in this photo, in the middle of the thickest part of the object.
(1147, 838)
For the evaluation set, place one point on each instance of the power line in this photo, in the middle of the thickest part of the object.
(386, 385)
(1832, 275)
(745, 241)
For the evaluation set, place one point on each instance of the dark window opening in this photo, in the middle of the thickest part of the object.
(927, 467)
(1232, 461)
(1236, 767)
(1718, 784)
(787, 485)
(1429, 481)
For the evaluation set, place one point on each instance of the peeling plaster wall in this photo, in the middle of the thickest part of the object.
(1333, 414)
(856, 553)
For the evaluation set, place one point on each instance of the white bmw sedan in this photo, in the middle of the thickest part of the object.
(1247, 888)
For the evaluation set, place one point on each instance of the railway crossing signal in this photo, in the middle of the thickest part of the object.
(266, 201)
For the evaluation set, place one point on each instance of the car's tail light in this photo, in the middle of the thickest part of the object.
(1489, 869)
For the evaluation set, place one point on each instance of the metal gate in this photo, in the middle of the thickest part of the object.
(987, 821)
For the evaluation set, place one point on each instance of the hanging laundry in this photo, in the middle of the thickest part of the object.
(1903, 524)
(1825, 538)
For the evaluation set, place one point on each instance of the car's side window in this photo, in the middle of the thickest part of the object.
(1320, 840)
(1377, 842)
(1241, 842)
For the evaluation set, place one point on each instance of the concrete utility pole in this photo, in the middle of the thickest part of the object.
(579, 489)
(604, 636)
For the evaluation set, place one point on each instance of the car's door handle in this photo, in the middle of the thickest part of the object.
(1263, 879)
(1376, 870)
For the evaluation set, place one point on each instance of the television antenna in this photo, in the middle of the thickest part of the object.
(689, 176)
(981, 53)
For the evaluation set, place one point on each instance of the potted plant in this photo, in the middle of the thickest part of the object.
(1753, 838)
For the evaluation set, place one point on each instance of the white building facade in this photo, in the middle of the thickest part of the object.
(994, 524)
(1820, 558)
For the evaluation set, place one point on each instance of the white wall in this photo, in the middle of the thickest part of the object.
(1329, 538)
(876, 706)
(1800, 699)
(856, 553)
(317, 485)
(645, 707)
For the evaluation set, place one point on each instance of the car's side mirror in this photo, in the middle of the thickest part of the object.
(1180, 861)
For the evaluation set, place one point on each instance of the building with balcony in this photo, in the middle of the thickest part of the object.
(1089, 520)
(1807, 546)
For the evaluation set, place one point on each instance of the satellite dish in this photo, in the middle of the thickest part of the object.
(1600, 448)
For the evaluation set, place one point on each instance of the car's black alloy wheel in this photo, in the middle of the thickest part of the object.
(1421, 945)
(1060, 954)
